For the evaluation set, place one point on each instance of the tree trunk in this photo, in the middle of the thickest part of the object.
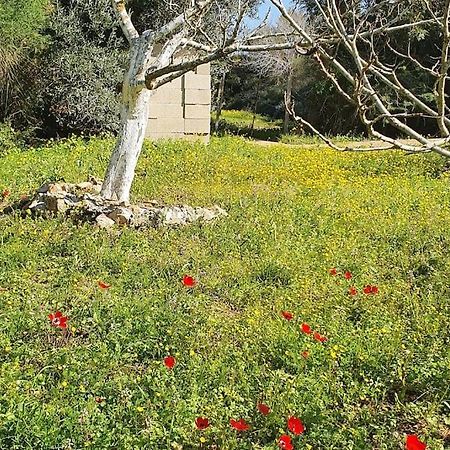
(220, 100)
(289, 101)
(134, 117)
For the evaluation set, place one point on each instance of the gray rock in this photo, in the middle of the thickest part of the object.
(96, 189)
(43, 189)
(121, 215)
(174, 216)
(84, 203)
(56, 188)
(103, 221)
(84, 186)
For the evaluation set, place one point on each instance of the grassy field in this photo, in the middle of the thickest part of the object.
(244, 119)
(294, 214)
(239, 123)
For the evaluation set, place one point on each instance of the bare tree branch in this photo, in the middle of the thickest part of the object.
(358, 30)
(124, 20)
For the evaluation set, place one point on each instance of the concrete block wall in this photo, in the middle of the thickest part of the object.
(182, 108)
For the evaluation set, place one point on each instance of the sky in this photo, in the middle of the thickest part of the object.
(264, 7)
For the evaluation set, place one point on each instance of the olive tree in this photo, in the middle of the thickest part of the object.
(199, 32)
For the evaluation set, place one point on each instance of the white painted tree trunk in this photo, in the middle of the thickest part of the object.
(134, 117)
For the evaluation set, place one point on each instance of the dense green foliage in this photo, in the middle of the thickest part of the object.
(20, 23)
(293, 214)
(75, 88)
(315, 97)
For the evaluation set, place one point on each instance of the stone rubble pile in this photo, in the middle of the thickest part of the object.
(83, 202)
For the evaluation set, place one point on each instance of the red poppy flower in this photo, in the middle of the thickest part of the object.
(285, 442)
(201, 423)
(58, 320)
(319, 337)
(103, 285)
(5, 193)
(413, 443)
(305, 354)
(189, 281)
(263, 409)
(333, 271)
(306, 328)
(370, 289)
(169, 362)
(295, 425)
(287, 315)
(347, 275)
(240, 425)
(352, 290)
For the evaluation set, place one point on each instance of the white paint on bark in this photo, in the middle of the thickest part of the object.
(145, 74)
(134, 118)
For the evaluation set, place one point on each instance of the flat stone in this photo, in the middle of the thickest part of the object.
(96, 189)
(71, 199)
(103, 221)
(61, 205)
(37, 204)
(43, 188)
(55, 188)
(85, 186)
(121, 215)
(174, 216)
(84, 203)
(216, 211)
(207, 214)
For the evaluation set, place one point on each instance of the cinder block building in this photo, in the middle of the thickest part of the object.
(182, 108)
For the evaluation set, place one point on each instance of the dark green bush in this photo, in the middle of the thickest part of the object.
(80, 70)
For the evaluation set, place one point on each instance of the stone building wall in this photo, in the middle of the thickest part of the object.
(181, 108)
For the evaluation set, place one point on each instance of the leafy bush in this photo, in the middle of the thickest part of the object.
(21, 22)
(75, 82)
(79, 94)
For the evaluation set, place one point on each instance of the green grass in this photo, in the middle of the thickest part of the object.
(293, 214)
(296, 139)
(244, 119)
(239, 123)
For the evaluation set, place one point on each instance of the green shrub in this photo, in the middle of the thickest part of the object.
(21, 23)
(75, 85)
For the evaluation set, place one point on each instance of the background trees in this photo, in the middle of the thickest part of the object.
(366, 50)
(61, 64)
(316, 97)
(20, 23)
(279, 65)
